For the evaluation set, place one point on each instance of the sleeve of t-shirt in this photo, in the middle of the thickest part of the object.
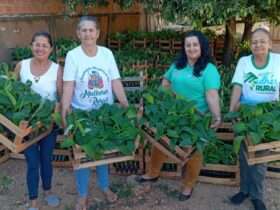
(211, 78)
(113, 68)
(70, 68)
(238, 77)
(169, 73)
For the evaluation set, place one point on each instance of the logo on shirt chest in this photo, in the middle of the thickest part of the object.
(95, 81)
(261, 83)
(94, 84)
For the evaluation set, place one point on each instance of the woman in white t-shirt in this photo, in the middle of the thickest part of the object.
(46, 78)
(90, 78)
(256, 80)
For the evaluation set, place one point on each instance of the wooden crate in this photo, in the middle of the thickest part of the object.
(169, 169)
(176, 46)
(162, 67)
(130, 167)
(62, 158)
(179, 155)
(80, 160)
(143, 43)
(133, 83)
(273, 170)
(220, 174)
(262, 153)
(4, 154)
(210, 173)
(18, 138)
(225, 132)
(114, 44)
(165, 45)
(141, 66)
(218, 49)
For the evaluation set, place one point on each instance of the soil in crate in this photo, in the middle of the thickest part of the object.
(273, 170)
(169, 167)
(217, 174)
(136, 83)
(125, 168)
(60, 158)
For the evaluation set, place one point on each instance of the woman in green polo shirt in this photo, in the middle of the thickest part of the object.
(194, 77)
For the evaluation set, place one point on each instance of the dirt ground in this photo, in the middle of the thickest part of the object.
(161, 196)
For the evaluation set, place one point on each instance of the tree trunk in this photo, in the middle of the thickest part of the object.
(248, 21)
(229, 42)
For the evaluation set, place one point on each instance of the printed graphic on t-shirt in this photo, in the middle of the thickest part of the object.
(263, 83)
(95, 83)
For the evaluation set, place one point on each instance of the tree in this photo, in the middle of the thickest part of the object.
(217, 12)
(206, 13)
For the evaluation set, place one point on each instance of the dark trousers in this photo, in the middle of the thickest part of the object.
(39, 161)
(251, 176)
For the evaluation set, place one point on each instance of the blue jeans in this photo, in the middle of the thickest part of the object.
(83, 178)
(39, 159)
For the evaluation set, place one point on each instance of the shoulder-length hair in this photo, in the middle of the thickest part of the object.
(205, 58)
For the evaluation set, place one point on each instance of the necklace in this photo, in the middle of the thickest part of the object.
(40, 69)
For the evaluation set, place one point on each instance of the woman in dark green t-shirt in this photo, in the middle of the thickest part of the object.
(194, 77)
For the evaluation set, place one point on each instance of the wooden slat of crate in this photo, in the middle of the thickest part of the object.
(139, 161)
(4, 154)
(269, 152)
(218, 180)
(225, 132)
(137, 43)
(12, 127)
(273, 174)
(165, 45)
(179, 155)
(113, 156)
(18, 144)
(176, 45)
(18, 156)
(80, 160)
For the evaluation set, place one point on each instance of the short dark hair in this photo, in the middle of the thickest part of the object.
(262, 30)
(88, 18)
(205, 58)
(44, 34)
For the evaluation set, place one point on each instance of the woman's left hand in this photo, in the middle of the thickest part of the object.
(216, 124)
